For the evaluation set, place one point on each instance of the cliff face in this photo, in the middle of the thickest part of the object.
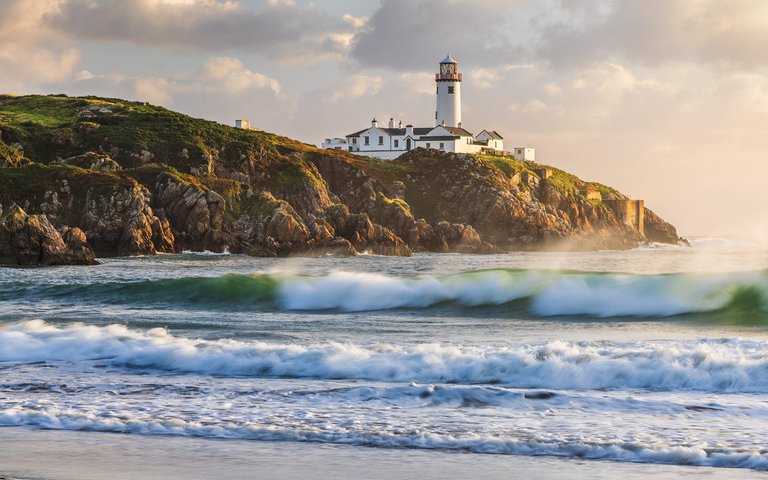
(138, 179)
(32, 240)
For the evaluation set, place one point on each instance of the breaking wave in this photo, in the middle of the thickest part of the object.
(742, 296)
(705, 365)
(576, 446)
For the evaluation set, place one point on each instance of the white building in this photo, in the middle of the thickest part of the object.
(448, 92)
(524, 153)
(447, 135)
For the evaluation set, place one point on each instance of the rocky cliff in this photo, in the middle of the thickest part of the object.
(130, 178)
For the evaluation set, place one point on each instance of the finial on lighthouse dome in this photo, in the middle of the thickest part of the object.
(449, 59)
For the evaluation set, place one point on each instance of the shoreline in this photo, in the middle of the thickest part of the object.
(30, 453)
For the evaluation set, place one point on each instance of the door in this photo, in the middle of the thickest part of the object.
(407, 143)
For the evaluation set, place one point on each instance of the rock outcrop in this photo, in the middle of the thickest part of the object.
(195, 215)
(31, 240)
(123, 223)
(659, 231)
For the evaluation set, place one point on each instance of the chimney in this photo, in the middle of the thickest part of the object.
(442, 124)
(400, 124)
(374, 123)
(391, 122)
(409, 129)
(460, 125)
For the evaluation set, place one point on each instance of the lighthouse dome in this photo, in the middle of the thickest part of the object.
(449, 59)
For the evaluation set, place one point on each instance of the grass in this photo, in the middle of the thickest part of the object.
(566, 183)
(508, 165)
(149, 175)
(126, 128)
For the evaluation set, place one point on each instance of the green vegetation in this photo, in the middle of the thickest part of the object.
(256, 205)
(149, 175)
(9, 155)
(508, 165)
(566, 183)
(59, 126)
(606, 191)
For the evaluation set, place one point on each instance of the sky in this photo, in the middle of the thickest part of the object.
(666, 100)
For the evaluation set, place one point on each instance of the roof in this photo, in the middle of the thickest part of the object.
(449, 59)
(457, 131)
(419, 131)
(357, 134)
(401, 131)
(493, 134)
(443, 137)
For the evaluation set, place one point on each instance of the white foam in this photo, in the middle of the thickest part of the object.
(718, 366)
(574, 444)
(552, 293)
(205, 253)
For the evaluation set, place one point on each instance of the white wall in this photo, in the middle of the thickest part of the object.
(382, 155)
(463, 147)
(524, 153)
(492, 142)
(448, 104)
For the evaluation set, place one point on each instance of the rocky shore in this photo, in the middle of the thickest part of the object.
(86, 177)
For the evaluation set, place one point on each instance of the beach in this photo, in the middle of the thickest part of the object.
(63, 455)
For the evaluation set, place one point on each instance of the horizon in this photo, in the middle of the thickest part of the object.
(664, 105)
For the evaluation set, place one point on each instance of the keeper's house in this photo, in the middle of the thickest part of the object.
(447, 135)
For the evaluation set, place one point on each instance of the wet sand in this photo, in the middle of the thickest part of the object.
(68, 455)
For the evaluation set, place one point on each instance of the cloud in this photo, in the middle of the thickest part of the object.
(231, 75)
(409, 34)
(28, 67)
(418, 83)
(357, 86)
(30, 56)
(155, 90)
(652, 32)
(280, 30)
(482, 77)
(219, 77)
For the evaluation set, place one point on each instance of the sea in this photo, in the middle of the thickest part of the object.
(655, 356)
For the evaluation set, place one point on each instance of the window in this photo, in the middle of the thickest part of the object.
(450, 89)
(354, 141)
(367, 140)
(519, 151)
(438, 89)
(429, 145)
(397, 143)
(442, 146)
(381, 140)
(435, 114)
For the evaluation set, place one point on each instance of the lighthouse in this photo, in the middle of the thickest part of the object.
(391, 139)
(448, 82)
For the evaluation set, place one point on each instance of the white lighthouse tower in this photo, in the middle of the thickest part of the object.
(448, 81)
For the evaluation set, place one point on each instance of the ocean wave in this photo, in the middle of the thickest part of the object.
(512, 442)
(205, 253)
(705, 365)
(539, 293)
